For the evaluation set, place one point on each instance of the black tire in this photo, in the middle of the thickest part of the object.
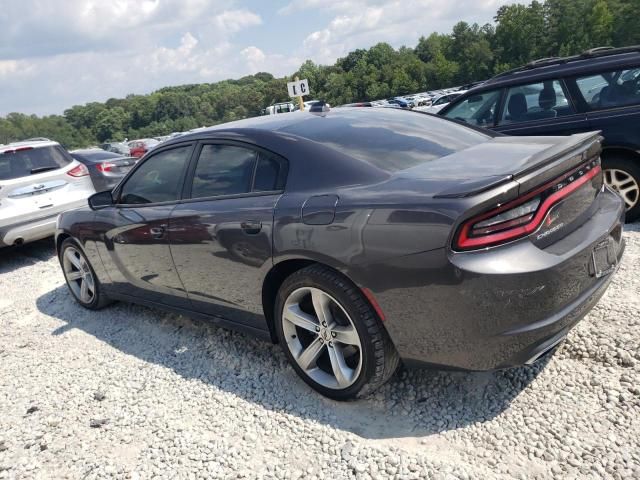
(379, 357)
(630, 166)
(99, 300)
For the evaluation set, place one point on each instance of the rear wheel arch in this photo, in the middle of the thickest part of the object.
(276, 277)
(610, 153)
(627, 161)
(271, 285)
(309, 350)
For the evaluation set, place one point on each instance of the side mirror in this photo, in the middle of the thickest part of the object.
(101, 200)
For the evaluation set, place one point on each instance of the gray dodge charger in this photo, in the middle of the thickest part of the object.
(357, 239)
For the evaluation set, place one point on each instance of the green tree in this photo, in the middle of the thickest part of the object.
(110, 124)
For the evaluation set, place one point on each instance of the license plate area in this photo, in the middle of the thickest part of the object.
(604, 259)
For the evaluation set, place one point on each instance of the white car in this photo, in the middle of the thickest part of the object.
(38, 181)
(440, 102)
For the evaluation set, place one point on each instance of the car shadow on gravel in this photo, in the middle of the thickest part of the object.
(16, 257)
(412, 405)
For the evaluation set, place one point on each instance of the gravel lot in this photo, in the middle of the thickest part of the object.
(131, 392)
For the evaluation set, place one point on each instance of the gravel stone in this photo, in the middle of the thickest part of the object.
(189, 400)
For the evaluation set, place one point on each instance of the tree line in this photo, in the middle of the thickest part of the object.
(471, 52)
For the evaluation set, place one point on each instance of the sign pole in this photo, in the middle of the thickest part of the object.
(300, 102)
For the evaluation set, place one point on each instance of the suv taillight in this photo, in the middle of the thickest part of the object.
(79, 171)
(524, 215)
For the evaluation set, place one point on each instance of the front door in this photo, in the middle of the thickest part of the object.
(541, 108)
(221, 237)
(135, 247)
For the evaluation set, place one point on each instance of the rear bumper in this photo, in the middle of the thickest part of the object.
(102, 182)
(500, 307)
(16, 231)
(29, 231)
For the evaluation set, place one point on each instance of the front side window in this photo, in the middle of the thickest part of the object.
(535, 101)
(158, 179)
(611, 89)
(478, 110)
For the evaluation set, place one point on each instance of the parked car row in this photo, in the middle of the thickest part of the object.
(360, 237)
(431, 101)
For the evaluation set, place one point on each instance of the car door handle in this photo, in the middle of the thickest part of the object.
(251, 227)
(157, 232)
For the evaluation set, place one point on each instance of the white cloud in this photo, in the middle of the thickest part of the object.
(233, 21)
(362, 23)
(58, 53)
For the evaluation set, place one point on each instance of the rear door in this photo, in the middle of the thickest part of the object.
(540, 108)
(612, 100)
(221, 238)
(135, 249)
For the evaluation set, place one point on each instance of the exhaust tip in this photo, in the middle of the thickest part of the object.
(18, 241)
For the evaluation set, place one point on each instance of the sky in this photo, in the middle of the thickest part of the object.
(58, 53)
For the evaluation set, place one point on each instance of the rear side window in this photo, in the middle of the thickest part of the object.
(478, 110)
(611, 89)
(26, 161)
(158, 179)
(535, 101)
(271, 173)
(223, 170)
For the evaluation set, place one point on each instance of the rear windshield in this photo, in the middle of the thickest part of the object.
(24, 162)
(389, 139)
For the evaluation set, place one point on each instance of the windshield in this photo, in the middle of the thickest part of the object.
(25, 161)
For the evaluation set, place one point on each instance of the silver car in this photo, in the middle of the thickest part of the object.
(38, 181)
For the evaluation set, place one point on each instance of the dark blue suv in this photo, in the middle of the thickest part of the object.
(598, 90)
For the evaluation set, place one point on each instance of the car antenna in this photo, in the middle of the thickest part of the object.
(320, 107)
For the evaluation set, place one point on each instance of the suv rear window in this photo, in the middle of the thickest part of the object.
(611, 89)
(25, 161)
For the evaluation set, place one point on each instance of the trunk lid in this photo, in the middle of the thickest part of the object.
(548, 189)
(528, 160)
(116, 167)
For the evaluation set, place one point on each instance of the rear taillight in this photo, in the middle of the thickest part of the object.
(79, 171)
(522, 216)
(105, 166)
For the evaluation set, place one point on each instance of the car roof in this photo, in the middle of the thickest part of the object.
(594, 60)
(28, 144)
(281, 123)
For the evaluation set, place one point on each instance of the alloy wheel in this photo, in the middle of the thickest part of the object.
(322, 338)
(624, 185)
(78, 274)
